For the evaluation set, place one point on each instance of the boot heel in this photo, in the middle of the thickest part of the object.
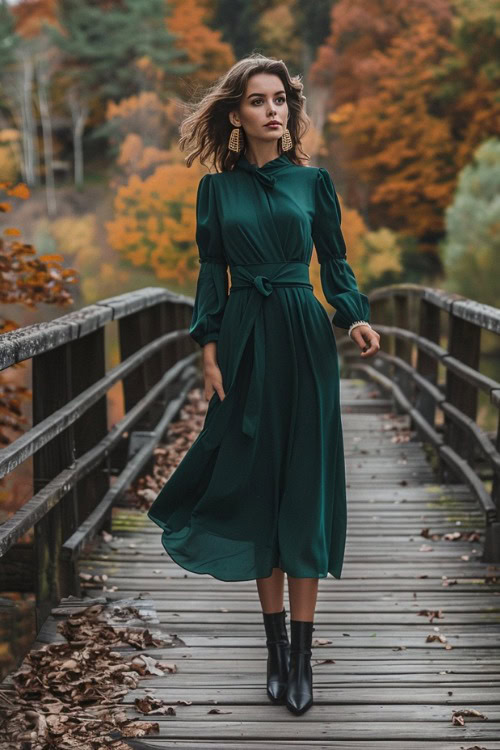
(299, 693)
(278, 658)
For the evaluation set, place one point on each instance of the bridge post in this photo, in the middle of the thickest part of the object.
(429, 327)
(135, 331)
(464, 342)
(403, 348)
(381, 312)
(89, 365)
(495, 492)
(52, 389)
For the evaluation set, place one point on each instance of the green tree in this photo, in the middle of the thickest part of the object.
(109, 53)
(8, 43)
(471, 247)
(8, 36)
(238, 21)
(105, 47)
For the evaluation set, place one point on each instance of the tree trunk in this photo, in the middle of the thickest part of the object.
(28, 122)
(79, 112)
(42, 86)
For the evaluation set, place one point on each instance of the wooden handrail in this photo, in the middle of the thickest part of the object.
(409, 319)
(74, 452)
(26, 343)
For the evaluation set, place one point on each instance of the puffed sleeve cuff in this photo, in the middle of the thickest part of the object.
(210, 302)
(337, 277)
(341, 291)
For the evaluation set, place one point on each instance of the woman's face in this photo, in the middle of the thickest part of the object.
(264, 101)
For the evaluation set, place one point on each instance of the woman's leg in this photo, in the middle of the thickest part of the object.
(271, 598)
(302, 593)
(271, 591)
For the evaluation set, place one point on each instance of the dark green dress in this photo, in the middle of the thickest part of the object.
(263, 484)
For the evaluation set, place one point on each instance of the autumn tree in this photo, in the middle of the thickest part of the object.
(154, 224)
(211, 56)
(293, 30)
(141, 128)
(473, 104)
(393, 72)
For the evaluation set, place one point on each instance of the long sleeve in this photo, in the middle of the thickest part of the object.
(212, 286)
(337, 277)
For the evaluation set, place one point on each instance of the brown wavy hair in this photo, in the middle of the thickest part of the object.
(207, 128)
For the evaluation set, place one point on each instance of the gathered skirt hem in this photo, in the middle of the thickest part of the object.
(172, 543)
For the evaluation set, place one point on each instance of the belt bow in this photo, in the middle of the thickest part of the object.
(263, 285)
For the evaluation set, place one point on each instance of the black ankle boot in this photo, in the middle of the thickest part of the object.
(278, 658)
(299, 693)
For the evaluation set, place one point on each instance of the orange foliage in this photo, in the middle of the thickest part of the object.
(475, 110)
(203, 45)
(31, 14)
(19, 191)
(135, 157)
(155, 222)
(25, 279)
(146, 104)
(398, 140)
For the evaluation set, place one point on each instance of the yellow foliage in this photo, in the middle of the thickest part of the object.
(382, 253)
(135, 157)
(155, 222)
(370, 254)
(75, 236)
(277, 32)
(105, 281)
(10, 154)
(9, 135)
(125, 108)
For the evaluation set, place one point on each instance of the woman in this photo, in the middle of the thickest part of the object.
(261, 491)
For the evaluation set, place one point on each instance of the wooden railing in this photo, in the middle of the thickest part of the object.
(81, 467)
(75, 455)
(425, 333)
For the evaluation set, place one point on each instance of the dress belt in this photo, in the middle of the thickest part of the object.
(262, 278)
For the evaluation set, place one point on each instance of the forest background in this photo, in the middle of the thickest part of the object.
(404, 98)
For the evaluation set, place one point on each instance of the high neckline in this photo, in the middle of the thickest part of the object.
(276, 162)
(266, 174)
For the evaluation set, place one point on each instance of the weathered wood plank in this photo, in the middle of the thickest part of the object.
(408, 687)
(378, 683)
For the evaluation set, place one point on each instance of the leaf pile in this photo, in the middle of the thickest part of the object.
(167, 455)
(66, 694)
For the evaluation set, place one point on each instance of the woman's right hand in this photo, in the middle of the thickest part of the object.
(211, 372)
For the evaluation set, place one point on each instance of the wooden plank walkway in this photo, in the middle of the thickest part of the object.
(379, 682)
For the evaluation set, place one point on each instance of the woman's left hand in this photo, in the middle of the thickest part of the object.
(367, 339)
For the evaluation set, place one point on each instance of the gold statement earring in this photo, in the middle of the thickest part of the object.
(286, 140)
(235, 142)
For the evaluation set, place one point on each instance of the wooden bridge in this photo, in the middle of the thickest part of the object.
(405, 643)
